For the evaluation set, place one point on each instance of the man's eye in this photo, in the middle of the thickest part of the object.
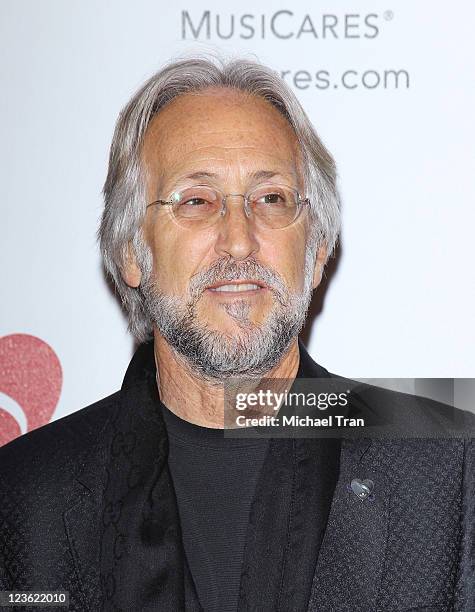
(271, 198)
(194, 202)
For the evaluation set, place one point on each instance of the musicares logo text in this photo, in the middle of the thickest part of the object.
(283, 24)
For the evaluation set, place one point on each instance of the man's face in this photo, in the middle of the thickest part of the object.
(231, 137)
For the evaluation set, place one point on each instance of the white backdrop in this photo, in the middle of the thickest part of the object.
(401, 301)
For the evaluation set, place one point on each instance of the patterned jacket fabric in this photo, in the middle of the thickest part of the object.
(87, 506)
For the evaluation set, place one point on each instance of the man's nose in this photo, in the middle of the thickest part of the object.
(236, 231)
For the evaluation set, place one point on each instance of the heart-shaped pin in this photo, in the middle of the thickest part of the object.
(362, 488)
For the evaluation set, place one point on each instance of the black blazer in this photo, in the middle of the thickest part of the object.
(87, 505)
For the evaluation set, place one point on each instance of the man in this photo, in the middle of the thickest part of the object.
(220, 213)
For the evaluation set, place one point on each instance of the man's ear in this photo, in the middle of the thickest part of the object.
(320, 261)
(131, 272)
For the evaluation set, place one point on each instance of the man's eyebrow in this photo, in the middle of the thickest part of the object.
(256, 176)
(199, 175)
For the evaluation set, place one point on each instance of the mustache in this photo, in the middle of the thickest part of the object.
(226, 270)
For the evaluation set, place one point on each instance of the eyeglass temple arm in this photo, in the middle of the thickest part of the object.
(163, 202)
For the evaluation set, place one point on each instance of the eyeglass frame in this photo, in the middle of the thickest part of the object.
(300, 203)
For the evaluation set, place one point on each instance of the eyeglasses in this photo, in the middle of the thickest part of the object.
(272, 206)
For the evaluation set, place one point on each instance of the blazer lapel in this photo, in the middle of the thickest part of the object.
(82, 521)
(351, 560)
(316, 472)
(289, 516)
(287, 524)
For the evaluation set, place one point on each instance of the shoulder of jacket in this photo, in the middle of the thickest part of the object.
(64, 443)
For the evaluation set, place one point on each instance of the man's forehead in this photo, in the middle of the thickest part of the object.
(220, 127)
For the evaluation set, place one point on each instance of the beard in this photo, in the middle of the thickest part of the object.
(254, 349)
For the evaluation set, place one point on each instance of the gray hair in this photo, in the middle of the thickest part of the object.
(124, 188)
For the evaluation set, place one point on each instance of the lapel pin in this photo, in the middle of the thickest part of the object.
(362, 488)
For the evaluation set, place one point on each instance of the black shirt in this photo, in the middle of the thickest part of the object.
(214, 479)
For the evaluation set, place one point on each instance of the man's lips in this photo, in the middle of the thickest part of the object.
(240, 286)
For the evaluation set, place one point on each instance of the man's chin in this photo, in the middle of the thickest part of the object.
(232, 319)
(231, 329)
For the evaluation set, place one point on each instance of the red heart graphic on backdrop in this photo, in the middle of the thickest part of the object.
(31, 375)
